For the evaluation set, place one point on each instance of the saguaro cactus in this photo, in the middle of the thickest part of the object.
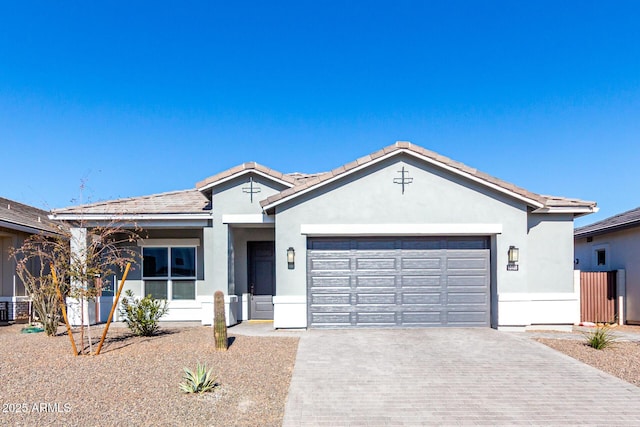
(219, 322)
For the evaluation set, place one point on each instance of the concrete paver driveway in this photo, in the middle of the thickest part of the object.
(448, 377)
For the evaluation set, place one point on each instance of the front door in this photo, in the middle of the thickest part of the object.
(262, 271)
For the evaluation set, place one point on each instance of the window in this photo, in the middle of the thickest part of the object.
(169, 272)
(601, 257)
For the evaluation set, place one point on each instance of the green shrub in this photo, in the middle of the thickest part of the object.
(142, 315)
(600, 338)
(199, 381)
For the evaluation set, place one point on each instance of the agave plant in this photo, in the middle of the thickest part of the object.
(198, 381)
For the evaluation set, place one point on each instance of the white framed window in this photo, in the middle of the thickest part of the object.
(169, 272)
(600, 257)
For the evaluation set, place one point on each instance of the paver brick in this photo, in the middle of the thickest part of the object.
(448, 376)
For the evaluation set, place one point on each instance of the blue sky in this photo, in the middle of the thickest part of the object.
(134, 98)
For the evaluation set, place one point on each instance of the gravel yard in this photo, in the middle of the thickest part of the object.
(621, 360)
(134, 381)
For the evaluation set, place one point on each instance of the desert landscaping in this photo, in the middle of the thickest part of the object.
(134, 381)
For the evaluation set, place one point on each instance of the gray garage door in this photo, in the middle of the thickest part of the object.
(390, 282)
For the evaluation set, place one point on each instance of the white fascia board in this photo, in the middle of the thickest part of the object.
(441, 165)
(127, 217)
(248, 219)
(244, 172)
(567, 210)
(25, 228)
(400, 229)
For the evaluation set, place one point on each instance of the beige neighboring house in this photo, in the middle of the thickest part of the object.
(17, 222)
(614, 244)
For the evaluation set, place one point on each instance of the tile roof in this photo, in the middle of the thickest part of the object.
(175, 202)
(621, 221)
(18, 214)
(245, 167)
(401, 146)
(195, 201)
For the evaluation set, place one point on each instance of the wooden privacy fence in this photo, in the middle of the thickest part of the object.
(598, 299)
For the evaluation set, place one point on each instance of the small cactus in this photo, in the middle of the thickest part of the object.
(219, 322)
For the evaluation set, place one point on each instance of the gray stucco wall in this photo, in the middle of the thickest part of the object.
(550, 253)
(8, 265)
(623, 251)
(230, 199)
(434, 197)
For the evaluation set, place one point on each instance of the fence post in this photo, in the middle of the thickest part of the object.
(622, 296)
(576, 291)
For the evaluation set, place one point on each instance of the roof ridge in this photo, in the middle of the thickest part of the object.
(241, 168)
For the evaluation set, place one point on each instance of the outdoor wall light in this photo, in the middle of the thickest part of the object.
(291, 258)
(512, 256)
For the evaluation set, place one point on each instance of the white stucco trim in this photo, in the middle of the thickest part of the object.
(127, 217)
(248, 219)
(168, 242)
(400, 229)
(230, 310)
(525, 309)
(567, 209)
(245, 172)
(429, 160)
(289, 311)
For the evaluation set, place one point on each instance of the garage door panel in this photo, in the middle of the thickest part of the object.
(421, 244)
(466, 264)
(421, 263)
(420, 281)
(467, 243)
(330, 281)
(467, 280)
(466, 299)
(332, 299)
(465, 318)
(331, 319)
(377, 299)
(422, 298)
(329, 245)
(422, 318)
(375, 281)
(376, 264)
(364, 244)
(413, 282)
(378, 318)
(330, 264)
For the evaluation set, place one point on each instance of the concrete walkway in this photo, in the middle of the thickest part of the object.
(448, 377)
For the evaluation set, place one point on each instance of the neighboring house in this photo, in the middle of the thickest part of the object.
(17, 222)
(401, 237)
(614, 244)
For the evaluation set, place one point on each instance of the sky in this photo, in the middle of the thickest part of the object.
(102, 100)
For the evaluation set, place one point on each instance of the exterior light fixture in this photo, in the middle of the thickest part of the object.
(513, 256)
(291, 258)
